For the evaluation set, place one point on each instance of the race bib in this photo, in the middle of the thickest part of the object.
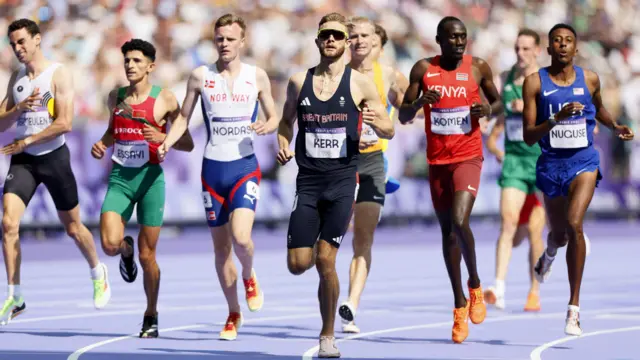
(569, 134)
(513, 128)
(325, 143)
(368, 135)
(131, 153)
(226, 130)
(454, 121)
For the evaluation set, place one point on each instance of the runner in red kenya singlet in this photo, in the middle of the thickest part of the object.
(453, 107)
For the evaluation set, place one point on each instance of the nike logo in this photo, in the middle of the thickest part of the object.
(471, 188)
(547, 93)
(432, 74)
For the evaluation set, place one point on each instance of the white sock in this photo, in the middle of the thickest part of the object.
(500, 287)
(97, 273)
(574, 308)
(549, 256)
(14, 290)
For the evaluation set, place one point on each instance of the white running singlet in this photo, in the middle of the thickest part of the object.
(229, 112)
(33, 122)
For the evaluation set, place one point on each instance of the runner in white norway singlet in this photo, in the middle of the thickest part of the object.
(33, 122)
(229, 112)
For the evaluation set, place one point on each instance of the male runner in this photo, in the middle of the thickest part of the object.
(328, 101)
(371, 166)
(229, 91)
(140, 113)
(518, 177)
(561, 105)
(380, 39)
(450, 84)
(39, 100)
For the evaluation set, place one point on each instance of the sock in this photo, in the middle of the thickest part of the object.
(549, 256)
(574, 308)
(500, 287)
(14, 290)
(97, 273)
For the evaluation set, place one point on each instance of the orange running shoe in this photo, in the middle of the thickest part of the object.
(533, 302)
(253, 292)
(230, 330)
(460, 329)
(477, 309)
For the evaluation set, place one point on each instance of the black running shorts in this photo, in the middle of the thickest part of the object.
(53, 170)
(322, 209)
(371, 171)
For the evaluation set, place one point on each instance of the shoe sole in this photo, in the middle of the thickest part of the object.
(345, 313)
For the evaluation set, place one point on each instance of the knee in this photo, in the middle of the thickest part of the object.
(510, 221)
(296, 267)
(9, 226)
(147, 257)
(326, 264)
(109, 248)
(575, 227)
(459, 223)
(73, 230)
(243, 240)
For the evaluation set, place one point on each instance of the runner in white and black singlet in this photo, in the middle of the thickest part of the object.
(330, 103)
(39, 100)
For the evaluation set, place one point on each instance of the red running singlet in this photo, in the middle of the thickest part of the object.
(130, 147)
(452, 134)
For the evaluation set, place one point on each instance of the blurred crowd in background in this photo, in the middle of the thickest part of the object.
(87, 36)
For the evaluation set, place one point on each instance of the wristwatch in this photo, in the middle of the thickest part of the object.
(552, 120)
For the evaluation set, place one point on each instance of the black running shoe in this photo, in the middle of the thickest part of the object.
(149, 326)
(128, 267)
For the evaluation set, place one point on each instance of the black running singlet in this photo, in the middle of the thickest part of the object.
(328, 131)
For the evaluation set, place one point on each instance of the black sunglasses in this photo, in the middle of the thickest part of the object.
(338, 35)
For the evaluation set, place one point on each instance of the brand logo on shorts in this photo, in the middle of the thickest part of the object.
(20, 88)
(211, 215)
(9, 177)
(337, 240)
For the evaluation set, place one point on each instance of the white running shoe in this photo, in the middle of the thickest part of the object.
(572, 323)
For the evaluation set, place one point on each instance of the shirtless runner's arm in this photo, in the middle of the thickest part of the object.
(373, 112)
(285, 129)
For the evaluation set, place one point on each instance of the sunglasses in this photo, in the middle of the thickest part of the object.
(338, 35)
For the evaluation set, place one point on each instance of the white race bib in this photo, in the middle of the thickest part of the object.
(230, 130)
(454, 121)
(569, 134)
(325, 143)
(368, 135)
(513, 128)
(133, 153)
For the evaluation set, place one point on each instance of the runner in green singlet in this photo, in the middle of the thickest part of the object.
(518, 178)
(140, 113)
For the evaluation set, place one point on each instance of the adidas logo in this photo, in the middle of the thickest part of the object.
(305, 102)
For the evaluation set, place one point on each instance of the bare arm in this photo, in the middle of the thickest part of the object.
(266, 101)
(382, 124)
(397, 89)
(107, 138)
(9, 111)
(488, 87)
(181, 122)
(602, 114)
(63, 108)
(409, 108)
(492, 140)
(285, 129)
(185, 143)
(530, 91)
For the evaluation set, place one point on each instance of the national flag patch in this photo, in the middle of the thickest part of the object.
(139, 114)
(578, 91)
(211, 215)
(462, 77)
(210, 84)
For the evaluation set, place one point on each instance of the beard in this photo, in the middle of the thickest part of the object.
(335, 55)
